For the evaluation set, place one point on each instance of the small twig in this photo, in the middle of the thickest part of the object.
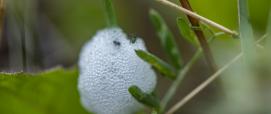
(208, 81)
(262, 38)
(203, 85)
(199, 17)
(200, 36)
(260, 46)
(181, 75)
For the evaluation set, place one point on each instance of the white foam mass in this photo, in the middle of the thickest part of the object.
(108, 67)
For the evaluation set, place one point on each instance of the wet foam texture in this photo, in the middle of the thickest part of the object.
(108, 67)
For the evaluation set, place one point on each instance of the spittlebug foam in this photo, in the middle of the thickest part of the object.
(108, 67)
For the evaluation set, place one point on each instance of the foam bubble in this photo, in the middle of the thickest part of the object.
(108, 67)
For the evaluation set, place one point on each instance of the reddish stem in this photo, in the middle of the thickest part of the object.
(202, 40)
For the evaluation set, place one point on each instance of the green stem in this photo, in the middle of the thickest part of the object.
(176, 83)
(209, 80)
(194, 92)
(111, 18)
(182, 73)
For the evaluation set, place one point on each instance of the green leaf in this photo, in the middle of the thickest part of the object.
(268, 30)
(154, 112)
(166, 39)
(157, 63)
(111, 18)
(246, 32)
(51, 92)
(144, 98)
(207, 30)
(269, 24)
(187, 32)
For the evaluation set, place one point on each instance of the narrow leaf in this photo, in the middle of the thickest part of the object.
(207, 30)
(246, 31)
(111, 18)
(269, 23)
(186, 31)
(166, 39)
(209, 33)
(157, 63)
(268, 30)
(144, 98)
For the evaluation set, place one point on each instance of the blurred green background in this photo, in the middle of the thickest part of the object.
(73, 22)
(53, 31)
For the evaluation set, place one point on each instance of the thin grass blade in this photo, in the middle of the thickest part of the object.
(186, 31)
(166, 38)
(246, 31)
(163, 67)
(111, 17)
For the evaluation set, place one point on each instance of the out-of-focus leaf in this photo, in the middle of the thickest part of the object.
(207, 30)
(268, 30)
(111, 18)
(144, 98)
(187, 32)
(51, 92)
(154, 112)
(157, 63)
(166, 39)
(246, 32)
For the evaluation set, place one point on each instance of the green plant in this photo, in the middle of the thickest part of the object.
(55, 91)
(247, 42)
(108, 66)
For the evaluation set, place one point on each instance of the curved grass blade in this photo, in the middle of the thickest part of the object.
(246, 32)
(207, 30)
(157, 63)
(268, 30)
(166, 39)
(111, 18)
(186, 32)
(144, 98)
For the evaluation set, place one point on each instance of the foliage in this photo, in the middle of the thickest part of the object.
(246, 32)
(166, 38)
(157, 63)
(146, 99)
(53, 91)
(186, 31)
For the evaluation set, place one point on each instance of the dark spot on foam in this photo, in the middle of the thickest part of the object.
(117, 43)
(132, 38)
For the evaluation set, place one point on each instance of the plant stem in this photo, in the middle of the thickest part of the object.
(194, 19)
(246, 32)
(262, 38)
(208, 81)
(199, 33)
(181, 75)
(203, 85)
(198, 17)
(111, 18)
